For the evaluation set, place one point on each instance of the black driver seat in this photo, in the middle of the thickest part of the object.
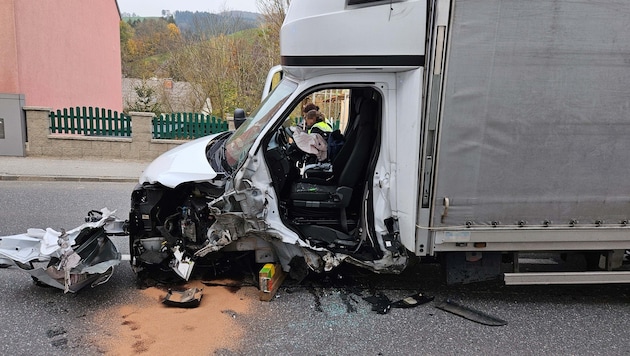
(337, 193)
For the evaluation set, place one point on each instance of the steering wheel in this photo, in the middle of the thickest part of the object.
(289, 133)
(281, 137)
(284, 136)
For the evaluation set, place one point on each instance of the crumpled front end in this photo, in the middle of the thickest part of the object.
(172, 230)
(76, 258)
(175, 230)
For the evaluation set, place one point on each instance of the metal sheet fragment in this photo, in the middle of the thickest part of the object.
(470, 314)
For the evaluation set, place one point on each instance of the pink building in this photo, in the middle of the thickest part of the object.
(61, 53)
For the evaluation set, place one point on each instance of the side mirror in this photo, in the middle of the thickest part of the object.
(239, 117)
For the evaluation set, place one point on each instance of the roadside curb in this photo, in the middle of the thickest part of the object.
(28, 178)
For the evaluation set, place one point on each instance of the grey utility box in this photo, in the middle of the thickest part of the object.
(12, 125)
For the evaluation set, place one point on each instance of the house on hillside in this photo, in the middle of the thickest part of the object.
(61, 53)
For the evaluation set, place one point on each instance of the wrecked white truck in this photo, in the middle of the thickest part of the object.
(474, 131)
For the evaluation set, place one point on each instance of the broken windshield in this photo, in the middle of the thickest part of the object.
(242, 140)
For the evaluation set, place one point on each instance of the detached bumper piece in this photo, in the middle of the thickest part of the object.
(190, 298)
(83, 256)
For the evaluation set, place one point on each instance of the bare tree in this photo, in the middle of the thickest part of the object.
(273, 13)
(230, 69)
(212, 65)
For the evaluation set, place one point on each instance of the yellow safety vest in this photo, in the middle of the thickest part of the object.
(322, 125)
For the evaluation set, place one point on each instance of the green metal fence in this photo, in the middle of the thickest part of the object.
(185, 126)
(90, 121)
(94, 121)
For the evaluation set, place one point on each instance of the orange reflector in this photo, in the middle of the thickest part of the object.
(479, 244)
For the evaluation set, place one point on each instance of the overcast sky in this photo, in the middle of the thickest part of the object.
(155, 7)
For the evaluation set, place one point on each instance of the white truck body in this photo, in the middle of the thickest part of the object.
(499, 128)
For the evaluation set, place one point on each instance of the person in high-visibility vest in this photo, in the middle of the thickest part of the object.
(309, 107)
(315, 124)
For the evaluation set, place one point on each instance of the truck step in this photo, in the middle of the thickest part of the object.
(603, 277)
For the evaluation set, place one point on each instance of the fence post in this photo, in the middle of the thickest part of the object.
(97, 119)
(142, 134)
(37, 128)
(155, 122)
(107, 121)
(195, 127)
(193, 131)
(215, 125)
(126, 119)
(117, 124)
(66, 114)
(53, 122)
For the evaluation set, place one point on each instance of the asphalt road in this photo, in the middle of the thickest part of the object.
(323, 315)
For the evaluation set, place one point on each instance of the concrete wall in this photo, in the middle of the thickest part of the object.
(61, 52)
(140, 147)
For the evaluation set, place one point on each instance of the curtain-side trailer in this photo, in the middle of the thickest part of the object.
(525, 137)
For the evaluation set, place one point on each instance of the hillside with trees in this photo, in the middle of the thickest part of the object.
(196, 24)
(225, 57)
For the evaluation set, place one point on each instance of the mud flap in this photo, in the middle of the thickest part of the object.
(470, 314)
